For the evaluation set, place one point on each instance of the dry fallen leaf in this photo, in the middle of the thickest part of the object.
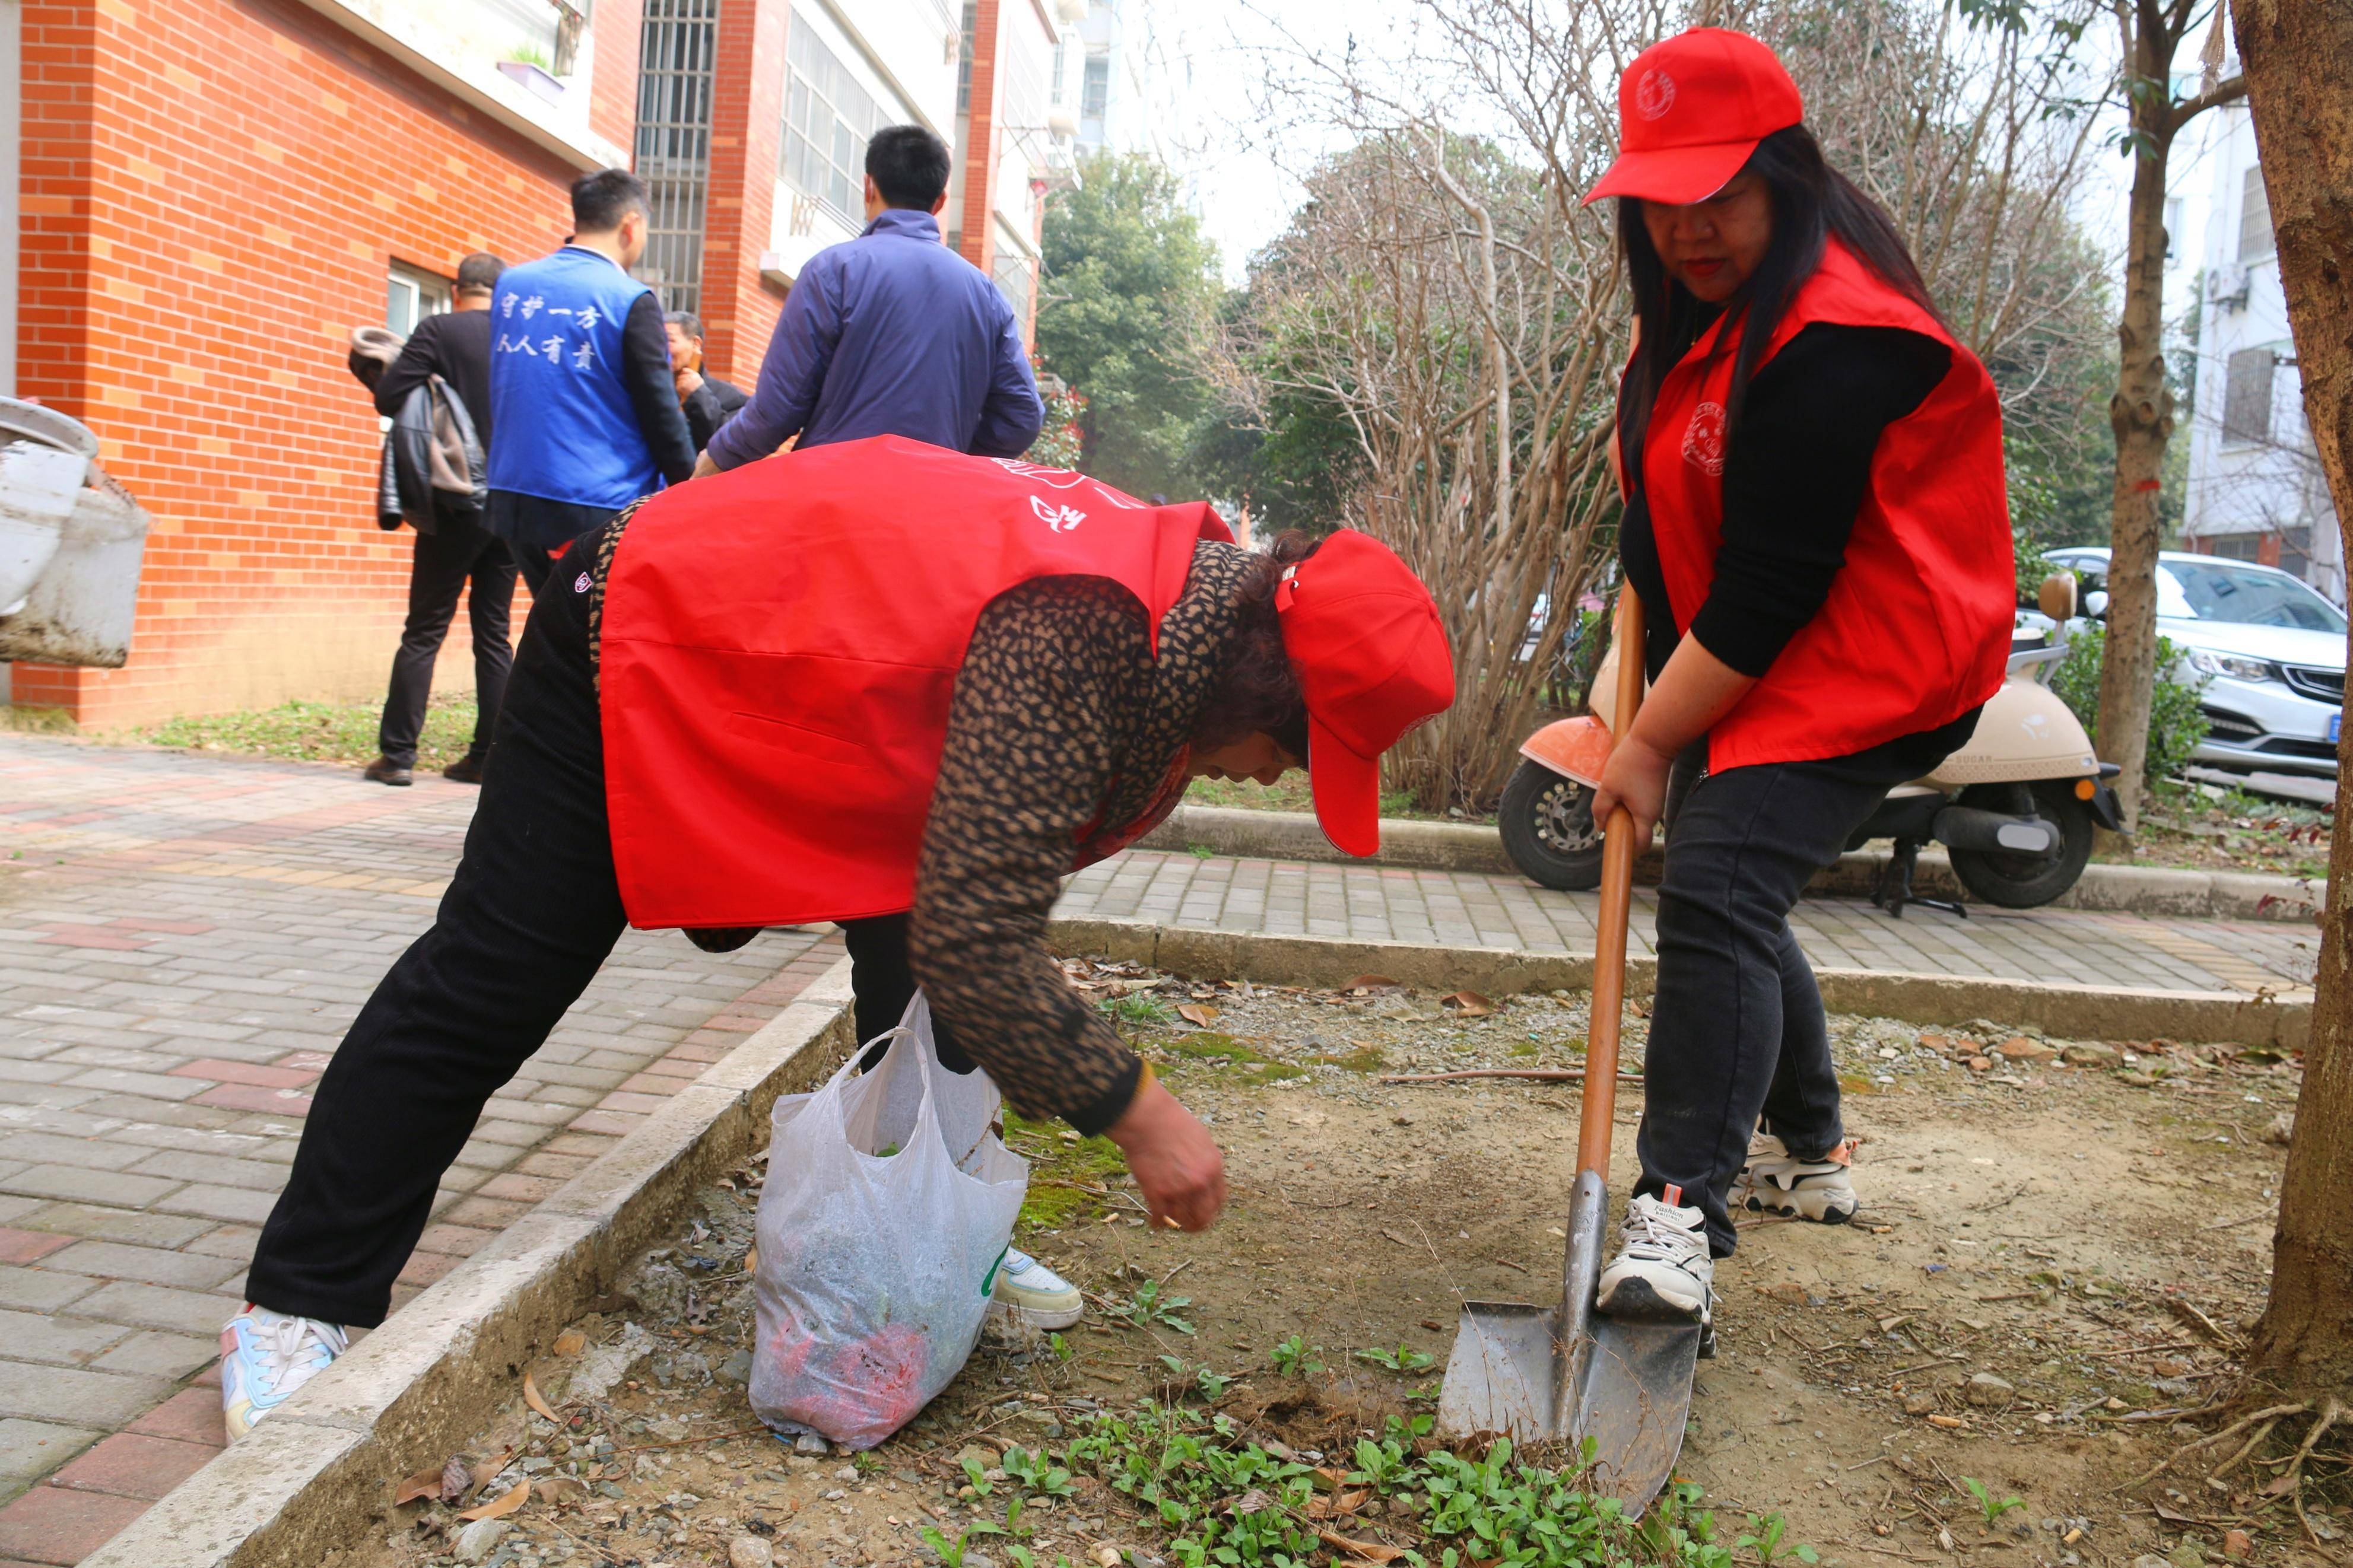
(484, 1471)
(1470, 1004)
(424, 1483)
(499, 1507)
(1194, 1013)
(1359, 1551)
(1368, 983)
(571, 1341)
(538, 1401)
(1947, 1422)
(751, 1261)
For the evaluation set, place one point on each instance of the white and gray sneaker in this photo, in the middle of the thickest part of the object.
(1662, 1271)
(1775, 1181)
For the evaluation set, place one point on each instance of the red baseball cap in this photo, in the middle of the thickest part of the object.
(1690, 111)
(1373, 662)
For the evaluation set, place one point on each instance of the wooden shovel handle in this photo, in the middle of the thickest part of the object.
(1618, 853)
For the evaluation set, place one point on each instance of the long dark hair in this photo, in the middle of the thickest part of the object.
(1812, 201)
(1257, 690)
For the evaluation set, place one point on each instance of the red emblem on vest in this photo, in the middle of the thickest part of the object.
(1704, 439)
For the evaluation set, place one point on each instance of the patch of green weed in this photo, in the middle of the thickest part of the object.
(1224, 1050)
(1190, 1472)
(1060, 1172)
(319, 732)
(1363, 1060)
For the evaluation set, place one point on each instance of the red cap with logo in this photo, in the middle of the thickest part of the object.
(1691, 110)
(1373, 662)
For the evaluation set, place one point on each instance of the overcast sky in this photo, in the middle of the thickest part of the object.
(1245, 192)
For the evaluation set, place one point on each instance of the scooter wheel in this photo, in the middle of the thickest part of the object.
(2028, 881)
(1546, 822)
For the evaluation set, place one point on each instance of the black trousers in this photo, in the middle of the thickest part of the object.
(531, 915)
(445, 562)
(1738, 1030)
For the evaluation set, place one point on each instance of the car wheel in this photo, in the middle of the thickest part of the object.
(2019, 882)
(1546, 822)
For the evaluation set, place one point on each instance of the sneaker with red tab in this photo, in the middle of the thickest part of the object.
(1775, 1181)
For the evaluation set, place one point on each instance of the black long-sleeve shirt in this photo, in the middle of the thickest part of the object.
(455, 346)
(1794, 477)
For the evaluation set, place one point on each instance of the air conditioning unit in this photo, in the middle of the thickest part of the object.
(2227, 286)
(1061, 125)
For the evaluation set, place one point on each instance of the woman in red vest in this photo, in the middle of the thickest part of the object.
(1817, 523)
(876, 682)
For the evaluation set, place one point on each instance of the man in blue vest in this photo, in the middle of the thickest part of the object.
(581, 389)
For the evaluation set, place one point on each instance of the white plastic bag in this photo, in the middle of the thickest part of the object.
(888, 1205)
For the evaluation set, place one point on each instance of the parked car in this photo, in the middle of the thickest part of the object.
(2269, 650)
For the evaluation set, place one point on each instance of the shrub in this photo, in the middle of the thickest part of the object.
(2176, 724)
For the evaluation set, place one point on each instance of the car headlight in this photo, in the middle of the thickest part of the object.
(2231, 664)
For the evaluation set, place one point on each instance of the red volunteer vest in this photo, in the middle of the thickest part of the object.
(1916, 629)
(779, 646)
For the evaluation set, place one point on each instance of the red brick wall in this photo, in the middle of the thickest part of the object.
(978, 221)
(212, 191)
(747, 114)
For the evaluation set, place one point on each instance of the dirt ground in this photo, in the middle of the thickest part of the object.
(2053, 1263)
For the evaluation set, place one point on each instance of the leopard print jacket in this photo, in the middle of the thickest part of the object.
(1063, 727)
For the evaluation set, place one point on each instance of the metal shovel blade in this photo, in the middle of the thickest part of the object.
(1567, 1375)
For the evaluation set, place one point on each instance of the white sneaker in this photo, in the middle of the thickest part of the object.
(1663, 1272)
(1043, 1298)
(265, 1357)
(1775, 1181)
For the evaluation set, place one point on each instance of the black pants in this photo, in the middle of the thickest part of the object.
(536, 566)
(457, 554)
(1736, 1029)
(531, 915)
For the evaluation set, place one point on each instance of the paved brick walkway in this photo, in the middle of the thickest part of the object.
(1470, 909)
(182, 941)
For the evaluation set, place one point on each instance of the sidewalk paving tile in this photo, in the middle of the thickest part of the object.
(184, 940)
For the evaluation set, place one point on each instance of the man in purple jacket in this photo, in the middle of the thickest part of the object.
(891, 333)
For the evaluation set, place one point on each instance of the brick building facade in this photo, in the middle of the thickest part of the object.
(214, 192)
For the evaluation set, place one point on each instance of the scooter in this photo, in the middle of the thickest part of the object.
(2015, 809)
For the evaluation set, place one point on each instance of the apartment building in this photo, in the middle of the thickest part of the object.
(211, 193)
(2255, 489)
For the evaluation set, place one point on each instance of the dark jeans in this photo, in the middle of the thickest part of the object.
(445, 562)
(1737, 1029)
(531, 915)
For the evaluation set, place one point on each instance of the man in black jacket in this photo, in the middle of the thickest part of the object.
(454, 549)
(706, 400)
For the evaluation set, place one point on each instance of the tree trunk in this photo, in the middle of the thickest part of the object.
(2142, 414)
(2298, 60)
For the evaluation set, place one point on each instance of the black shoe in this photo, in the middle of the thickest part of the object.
(467, 769)
(721, 939)
(385, 771)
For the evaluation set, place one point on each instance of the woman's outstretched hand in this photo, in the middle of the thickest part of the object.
(1174, 1160)
(1636, 778)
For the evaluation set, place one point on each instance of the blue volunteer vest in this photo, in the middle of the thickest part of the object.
(566, 431)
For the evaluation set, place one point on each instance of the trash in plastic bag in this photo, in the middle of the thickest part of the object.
(889, 1201)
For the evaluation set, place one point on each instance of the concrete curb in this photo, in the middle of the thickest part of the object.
(2098, 1013)
(1475, 846)
(320, 1472)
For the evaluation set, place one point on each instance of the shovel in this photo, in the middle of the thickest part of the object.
(1570, 1374)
